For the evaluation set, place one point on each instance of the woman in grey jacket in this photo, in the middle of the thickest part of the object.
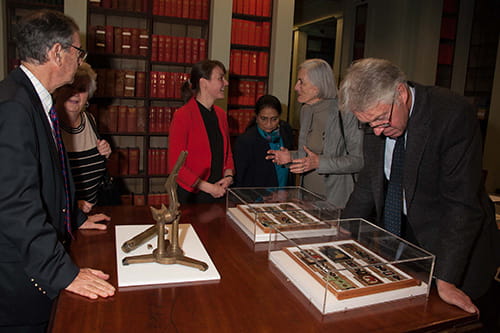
(330, 141)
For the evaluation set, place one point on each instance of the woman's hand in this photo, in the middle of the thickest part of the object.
(91, 222)
(104, 148)
(215, 190)
(301, 165)
(85, 206)
(279, 157)
(225, 182)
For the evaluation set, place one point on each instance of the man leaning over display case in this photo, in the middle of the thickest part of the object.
(422, 179)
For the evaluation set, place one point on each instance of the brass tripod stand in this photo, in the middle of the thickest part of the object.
(167, 252)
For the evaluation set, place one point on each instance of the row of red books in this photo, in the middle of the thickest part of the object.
(157, 161)
(159, 118)
(124, 162)
(178, 49)
(122, 119)
(250, 63)
(166, 84)
(192, 9)
(128, 5)
(120, 83)
(239, 120)
(245, 92)
(253, 33)
(252, 7)
(118, 40)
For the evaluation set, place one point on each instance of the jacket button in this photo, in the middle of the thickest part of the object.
(64, 210)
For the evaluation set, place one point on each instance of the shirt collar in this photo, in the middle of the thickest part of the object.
(41, 91)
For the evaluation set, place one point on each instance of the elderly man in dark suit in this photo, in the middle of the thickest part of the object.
(37, 206)
(422, 178)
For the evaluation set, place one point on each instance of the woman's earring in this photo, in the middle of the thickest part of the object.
(87, 105)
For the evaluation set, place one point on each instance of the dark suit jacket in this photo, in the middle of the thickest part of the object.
(34, 265)
(250, 151)
(447, 208)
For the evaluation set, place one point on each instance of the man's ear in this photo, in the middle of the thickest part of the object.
(55, 55)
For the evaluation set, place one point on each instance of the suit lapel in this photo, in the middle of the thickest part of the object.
(417, 137)
(39, 113)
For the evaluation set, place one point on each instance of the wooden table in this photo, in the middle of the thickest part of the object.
(252, 295)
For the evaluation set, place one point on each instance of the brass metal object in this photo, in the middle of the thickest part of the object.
(168, 251)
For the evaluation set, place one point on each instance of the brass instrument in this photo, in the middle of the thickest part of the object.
(168, 251)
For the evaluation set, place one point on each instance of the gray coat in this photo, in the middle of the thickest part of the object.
(335, 164)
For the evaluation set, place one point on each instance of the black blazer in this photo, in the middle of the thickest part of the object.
(250, 150)
(34, 265)
(447, 208)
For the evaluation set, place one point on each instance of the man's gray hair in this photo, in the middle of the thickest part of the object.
(369, 82)
(320, 74)
(39, 31)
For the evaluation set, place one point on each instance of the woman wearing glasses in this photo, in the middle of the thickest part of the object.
(87, 154)
(330, 148)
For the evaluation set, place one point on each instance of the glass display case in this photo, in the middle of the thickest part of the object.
(355, 264)
(294, 211)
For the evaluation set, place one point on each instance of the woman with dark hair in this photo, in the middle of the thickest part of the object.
(266, 132)
(201, 129)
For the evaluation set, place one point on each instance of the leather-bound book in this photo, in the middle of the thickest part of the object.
(122, 119)
(133, 161)
(113, 118)
(119, 83)
(143, 42)
(109, 90)
(129, 84)
(118, 40)
(132, 119)
(141, 119)
(140, 84)
(123, 163)
(100, 39)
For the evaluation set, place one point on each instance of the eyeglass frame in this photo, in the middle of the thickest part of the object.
(82, 55)
(385, 124)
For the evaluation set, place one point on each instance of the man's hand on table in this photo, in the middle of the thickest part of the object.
(91, 283)
(452, 295)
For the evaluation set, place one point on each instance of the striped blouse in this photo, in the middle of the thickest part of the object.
(87, 165)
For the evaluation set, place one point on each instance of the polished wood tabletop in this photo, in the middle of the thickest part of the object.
(251, 296)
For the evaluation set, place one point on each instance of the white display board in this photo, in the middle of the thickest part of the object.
(155, 273)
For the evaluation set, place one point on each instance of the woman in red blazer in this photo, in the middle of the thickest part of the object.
(201, 129)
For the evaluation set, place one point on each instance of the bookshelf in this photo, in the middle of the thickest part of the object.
(142, 51)
(249, 60)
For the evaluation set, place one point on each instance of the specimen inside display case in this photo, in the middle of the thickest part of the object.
(355, 264)
(350, 269)
(257, 211)
(283, 216)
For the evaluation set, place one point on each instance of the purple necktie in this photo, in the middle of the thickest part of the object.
(62, 158)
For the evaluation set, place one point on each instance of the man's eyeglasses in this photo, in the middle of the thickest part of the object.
(385, 124)
(82, 54)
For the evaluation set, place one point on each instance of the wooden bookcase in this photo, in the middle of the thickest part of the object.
(249, 60)
(142, 51)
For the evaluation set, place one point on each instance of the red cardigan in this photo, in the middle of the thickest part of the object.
(187, 132)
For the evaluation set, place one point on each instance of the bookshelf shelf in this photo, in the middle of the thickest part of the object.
(139, 78)
(249, 60)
